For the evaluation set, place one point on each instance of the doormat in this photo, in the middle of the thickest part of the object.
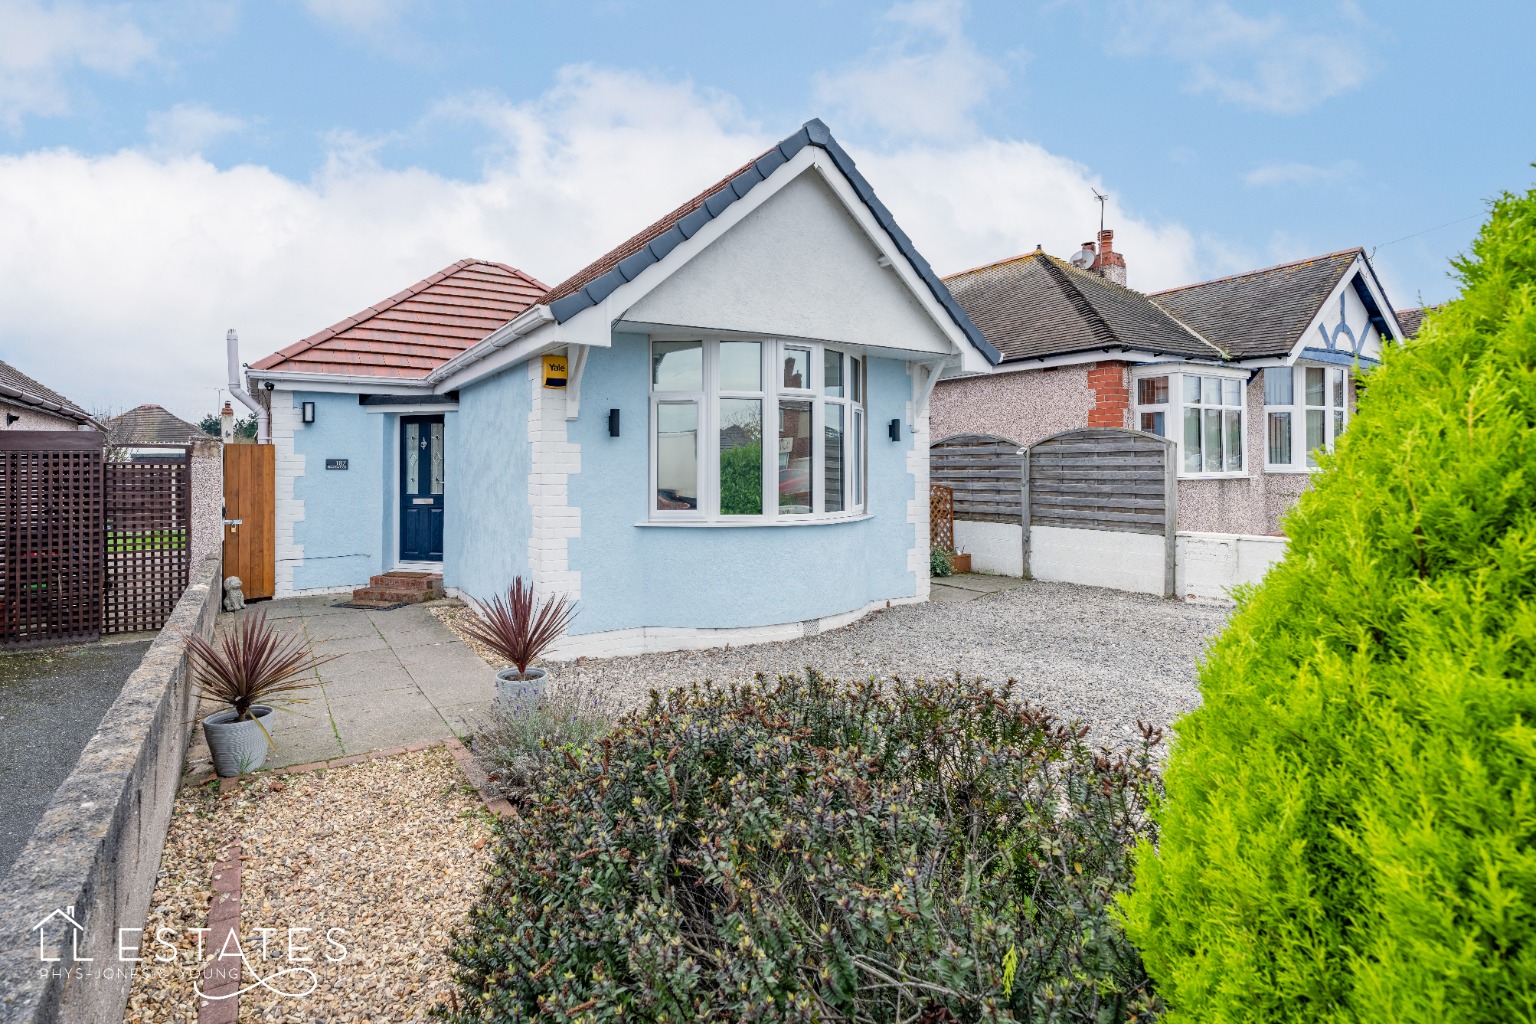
(373, 607)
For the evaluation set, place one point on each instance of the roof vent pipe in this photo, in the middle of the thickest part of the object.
(263, 431)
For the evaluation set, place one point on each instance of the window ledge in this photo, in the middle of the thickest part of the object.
(736, 524)
(1292, 470)
(1215, 476)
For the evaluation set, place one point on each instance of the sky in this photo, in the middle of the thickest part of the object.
(170, 170)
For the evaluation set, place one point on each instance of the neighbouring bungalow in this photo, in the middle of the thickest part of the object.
(715, 433)
(26, 404)
(1250, 375)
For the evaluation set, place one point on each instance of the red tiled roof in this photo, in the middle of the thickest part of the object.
(612, 258)
(412, 333)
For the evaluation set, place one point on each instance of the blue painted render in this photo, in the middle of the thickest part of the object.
(488, 521)
(728, 576)
(342, 531)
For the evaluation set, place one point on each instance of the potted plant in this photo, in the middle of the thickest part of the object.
(253, 670)
(519, 629)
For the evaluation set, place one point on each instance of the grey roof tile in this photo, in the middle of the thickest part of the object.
(18, 387)
(151, 425)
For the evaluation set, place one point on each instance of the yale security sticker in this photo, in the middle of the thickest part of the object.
(554, 371)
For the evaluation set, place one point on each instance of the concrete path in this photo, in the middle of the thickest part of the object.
(51, 702)
(970, 586)
(399, 677)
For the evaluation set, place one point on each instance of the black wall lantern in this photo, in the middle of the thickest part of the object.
(308, 412)
(613, 423)
(894, 430)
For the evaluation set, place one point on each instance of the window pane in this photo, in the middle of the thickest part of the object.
(1280, 438)
(1315, 385)
(677, 455)
(1210, 393)
(1279, 387)
(437, 457)
(797, 368)
(794, 456)
(832, 378)
(856, 451)
(1231, 392)
(741, 457)
(1191, 387)
(677, 365)
(1338, 388)
(1192, 437)
(1212, 445)
(1155, 423)
(741, 366)
(413, 458)
(1152, 391)
(1234, 440)
(833, 474)
(1338, 425)
(1314, 434)
(855, 379)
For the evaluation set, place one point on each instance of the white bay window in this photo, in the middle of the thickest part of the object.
(756, 431)
(1305, 409)
(1202, 412)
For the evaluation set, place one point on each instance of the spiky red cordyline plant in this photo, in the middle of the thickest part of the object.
(250, 664)
(519, 628)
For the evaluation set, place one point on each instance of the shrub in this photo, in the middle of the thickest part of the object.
(251, 663)
(938, 562)
(813, 851)
(1349, 831)
(524, 732)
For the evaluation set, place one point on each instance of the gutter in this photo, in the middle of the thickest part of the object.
(263, 421)
(526, 322)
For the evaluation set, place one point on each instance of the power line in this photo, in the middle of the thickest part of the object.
(1416, 234)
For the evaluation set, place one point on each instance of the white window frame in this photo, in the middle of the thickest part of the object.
(1301, 455)
(855, 431)
(1173, 410)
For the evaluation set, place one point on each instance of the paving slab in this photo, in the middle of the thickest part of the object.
(351, 623)
(365, 684)
(351, 644)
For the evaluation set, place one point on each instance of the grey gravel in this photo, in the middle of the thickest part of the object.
(1099, 657)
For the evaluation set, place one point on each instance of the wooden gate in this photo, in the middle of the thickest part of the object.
(50, 536)
(250, 485)
(148, 542)
(1123, 481)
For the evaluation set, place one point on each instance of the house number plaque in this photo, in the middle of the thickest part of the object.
(335, 463)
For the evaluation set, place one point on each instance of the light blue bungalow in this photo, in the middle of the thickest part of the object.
(716, 433)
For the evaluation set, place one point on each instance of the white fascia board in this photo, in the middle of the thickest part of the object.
(1093, 356)
(1161, 367)
(351, 384)
(541, 340)
(465, 367)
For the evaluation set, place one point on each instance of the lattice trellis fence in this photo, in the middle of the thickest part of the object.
(941, 517)
(148, 543)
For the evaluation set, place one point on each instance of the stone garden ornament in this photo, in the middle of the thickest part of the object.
(234, 596)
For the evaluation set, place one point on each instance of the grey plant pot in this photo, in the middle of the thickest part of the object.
(238, 747)
(510, 686)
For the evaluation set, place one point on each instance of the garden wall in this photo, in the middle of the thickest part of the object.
(96, 850)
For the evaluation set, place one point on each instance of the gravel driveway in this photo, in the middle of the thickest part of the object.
(1100, 657)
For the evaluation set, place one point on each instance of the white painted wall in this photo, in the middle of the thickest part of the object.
(994, 548)
(802, 244)
(1097, 558)
(288, 509)
(1210, 564)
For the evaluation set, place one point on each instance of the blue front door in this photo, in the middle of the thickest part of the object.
(421, 488)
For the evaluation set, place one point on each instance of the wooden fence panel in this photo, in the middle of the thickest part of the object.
(984, 473)
(50, 537)
(148, 542)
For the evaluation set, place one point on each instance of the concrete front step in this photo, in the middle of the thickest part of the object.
(418, 581)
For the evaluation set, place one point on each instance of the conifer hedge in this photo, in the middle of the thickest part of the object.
(1349, 829)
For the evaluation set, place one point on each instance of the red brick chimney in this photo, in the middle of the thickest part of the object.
(1110, 265)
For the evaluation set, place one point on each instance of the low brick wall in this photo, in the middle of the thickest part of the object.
(95, 853)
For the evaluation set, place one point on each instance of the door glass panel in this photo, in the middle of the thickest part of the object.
(741, 366)
(437, 458)
(677, 455)
(1192, 437)
(794, 457)
(1280, 438)
(413, 458)
(797, 369)
(1212, 447)
(1314, 434)
(741, 457)
(832, 378)
(677, 365)
(834, 471)
(1234, 440)
(1315, 386)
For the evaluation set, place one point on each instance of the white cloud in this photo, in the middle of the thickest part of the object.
(1279, 62)
(357, 15)
(120, 273)
(923, 84)
(41, 43)
(189, 128)
(1301, 174)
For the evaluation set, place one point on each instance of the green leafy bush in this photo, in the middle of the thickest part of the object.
(1349, 831)
(938, 563)
(813, 851)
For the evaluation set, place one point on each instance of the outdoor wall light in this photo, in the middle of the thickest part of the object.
(894, 430)
(309, 412)
(613, 423)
